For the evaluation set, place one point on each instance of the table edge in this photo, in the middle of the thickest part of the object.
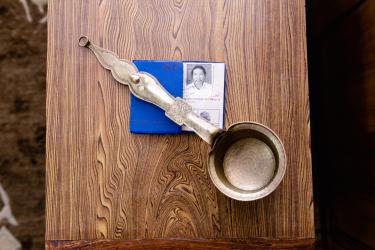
(178, 243)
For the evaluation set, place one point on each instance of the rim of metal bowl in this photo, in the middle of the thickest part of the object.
(271, 186)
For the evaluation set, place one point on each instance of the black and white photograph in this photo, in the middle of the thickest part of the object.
(204, 84)
(198, 80)
(210, 115)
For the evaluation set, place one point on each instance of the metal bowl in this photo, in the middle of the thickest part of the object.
(247, 162)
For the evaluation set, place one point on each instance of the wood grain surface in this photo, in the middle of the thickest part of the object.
(105, 183)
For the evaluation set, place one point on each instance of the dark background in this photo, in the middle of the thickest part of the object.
(341, 52)
(23, 48)
(341, 44)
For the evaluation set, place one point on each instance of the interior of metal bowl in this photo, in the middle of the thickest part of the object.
(247, 162)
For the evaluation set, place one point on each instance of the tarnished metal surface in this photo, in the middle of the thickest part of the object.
(247, 162)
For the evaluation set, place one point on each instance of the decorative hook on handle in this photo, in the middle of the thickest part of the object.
(121, 69)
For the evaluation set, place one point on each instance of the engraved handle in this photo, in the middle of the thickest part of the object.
(148, 88)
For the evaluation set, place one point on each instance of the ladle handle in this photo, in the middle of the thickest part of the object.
(148, 88)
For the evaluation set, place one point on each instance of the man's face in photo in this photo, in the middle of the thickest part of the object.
(198, 75)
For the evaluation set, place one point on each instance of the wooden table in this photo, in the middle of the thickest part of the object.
(109, 188)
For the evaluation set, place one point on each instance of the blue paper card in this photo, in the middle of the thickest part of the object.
(146, 117)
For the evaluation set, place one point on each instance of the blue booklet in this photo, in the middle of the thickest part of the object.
(146, 117)
(201, 84)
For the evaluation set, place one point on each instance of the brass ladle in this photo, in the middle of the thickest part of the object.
(247, 161)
